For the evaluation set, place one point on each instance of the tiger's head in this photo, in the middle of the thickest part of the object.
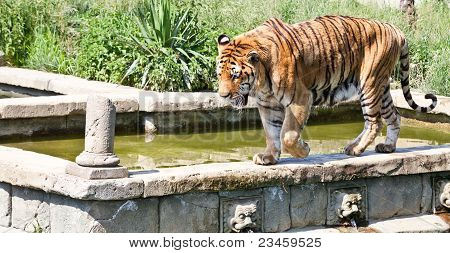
(238, 65)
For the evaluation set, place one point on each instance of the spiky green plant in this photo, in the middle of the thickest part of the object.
(171, 35)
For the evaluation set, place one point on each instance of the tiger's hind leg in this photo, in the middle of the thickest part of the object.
(371, 107)
(392, 118)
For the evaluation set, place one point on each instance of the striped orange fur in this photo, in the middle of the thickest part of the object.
(289, 68)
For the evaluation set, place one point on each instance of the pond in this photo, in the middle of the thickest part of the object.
(229, 146)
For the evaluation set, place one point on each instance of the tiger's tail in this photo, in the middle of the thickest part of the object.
(404, 76)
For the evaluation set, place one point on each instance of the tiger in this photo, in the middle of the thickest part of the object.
(290, 68)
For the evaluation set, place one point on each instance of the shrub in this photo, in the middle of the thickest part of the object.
(102, 53)
(18, 22)
(171, 47)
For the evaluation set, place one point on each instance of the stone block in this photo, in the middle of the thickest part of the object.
(45, 172)
(124, 216)
(313, 229)
(347, 204)
(5, 204)
(426, 204)
(277, 215)
(238, 194)
(242, 214)
(189, 213)
(308, 205)
(97, 172)
(412, 224)
(394, 196)
(441, 194)
(31, 126)
(30, 210)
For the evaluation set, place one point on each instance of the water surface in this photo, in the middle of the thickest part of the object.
(187, 149)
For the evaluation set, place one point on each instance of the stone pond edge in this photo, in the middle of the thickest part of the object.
(74, 92)
(47, 173)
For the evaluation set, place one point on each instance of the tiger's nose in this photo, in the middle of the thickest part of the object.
(224, 94)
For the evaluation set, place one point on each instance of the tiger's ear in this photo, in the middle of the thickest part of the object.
(223, 40)
(253, 57)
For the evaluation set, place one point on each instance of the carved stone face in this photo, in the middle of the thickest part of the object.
(350, 205)
(347, 206)
(242, 220)
(445, 195)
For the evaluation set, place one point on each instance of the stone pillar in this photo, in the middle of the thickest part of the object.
(98, 160)
(99, 134)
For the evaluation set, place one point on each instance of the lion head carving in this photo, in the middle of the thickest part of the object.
(349, 205)
(242, 220)
(445, 195)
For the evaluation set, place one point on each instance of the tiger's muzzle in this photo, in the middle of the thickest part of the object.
(240, 98)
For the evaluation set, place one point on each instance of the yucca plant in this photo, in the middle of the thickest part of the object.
(171, 42)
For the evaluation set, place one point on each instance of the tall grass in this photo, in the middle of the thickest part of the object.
(46, 53)
(429, 42)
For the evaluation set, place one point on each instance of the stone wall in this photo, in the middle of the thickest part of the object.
(278, 208)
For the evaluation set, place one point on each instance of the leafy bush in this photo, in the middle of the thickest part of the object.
(18, 21)
(171, 48)
(103, 54)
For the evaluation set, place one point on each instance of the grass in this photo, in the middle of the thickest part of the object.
(90, 38)
(429, 42)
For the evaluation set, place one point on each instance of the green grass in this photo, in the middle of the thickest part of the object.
(91, 38)
(429, 42)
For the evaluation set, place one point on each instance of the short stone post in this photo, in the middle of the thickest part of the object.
(98, 160)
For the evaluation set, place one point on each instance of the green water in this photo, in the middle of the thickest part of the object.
(177, 149)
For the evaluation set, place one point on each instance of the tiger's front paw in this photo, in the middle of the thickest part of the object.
(384, 148)
(264, 159)
(301, 150)
(353, 150)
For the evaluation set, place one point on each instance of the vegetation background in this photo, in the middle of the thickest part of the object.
(165, 45)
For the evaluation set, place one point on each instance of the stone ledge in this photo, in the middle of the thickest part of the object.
(314, 169)
(51, 106)
(62, 84)
(28, 169)
(422, 223)
(313, 229)
(47, 173)
(183, 101)
(132, 99)
(443, 105)
(412, 224)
